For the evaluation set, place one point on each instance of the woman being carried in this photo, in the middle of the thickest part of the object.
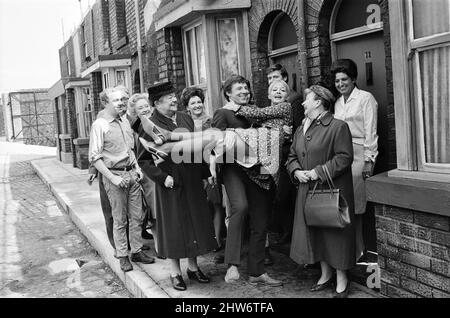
(248, 147)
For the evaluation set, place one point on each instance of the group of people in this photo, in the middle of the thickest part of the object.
(245, 167)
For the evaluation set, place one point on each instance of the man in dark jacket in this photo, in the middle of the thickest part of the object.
(246, 197)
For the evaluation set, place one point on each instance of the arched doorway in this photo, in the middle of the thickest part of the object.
(283, 47)
(356, 32)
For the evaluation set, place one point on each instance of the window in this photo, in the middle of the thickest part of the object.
(68, 62)
(421, 68)
(121, 19)
(286, 44)
(84, 51)
(105, 80)
(195, 55)
(429, 36)
(88, 116)
(84, 112)
(228, 47)
(120, 78)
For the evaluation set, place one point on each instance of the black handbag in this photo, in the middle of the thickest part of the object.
(326, 207)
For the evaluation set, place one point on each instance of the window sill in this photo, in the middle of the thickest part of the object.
(402, 189)
(81, 141)
(122, 42)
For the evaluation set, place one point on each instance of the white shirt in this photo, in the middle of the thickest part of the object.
(360, 113)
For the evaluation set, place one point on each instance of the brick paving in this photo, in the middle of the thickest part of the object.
(42, 253)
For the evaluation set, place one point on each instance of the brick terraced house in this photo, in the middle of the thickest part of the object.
(104, 51)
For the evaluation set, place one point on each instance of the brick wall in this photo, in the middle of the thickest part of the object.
(170, 57)
(391, 148)
(82, 155)
(414, 253)
(97, 30)
(118, 27)
(96, 88)
(132, 39)
(317, 19)
(100, 22)
(151, 57)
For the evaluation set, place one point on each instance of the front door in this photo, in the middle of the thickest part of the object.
(368, 53)
(290, 63)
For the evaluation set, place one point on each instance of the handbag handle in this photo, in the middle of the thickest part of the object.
(328, 177)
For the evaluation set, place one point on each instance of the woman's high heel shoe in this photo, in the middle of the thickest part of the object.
(198, 276)
(178, 282)
(319, 287)
(158, 135)
(151, 147)
(344, 293)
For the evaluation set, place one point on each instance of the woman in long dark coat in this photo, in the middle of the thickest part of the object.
(322, 139)
(184, 226)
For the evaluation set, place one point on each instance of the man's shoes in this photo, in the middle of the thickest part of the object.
(266, 280)
(125, 264)
(198, 276)
(319, 287)
(142, 258)
(344, 293)
(146, 248)
(219, 248)
(268, 260)
(232, 275)
(178, 282)
(219, 259)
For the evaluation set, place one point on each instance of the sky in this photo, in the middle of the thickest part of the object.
(31, 34)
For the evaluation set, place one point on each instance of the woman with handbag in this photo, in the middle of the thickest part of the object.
(320, 157)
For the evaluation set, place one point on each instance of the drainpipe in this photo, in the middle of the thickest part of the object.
(302, 52)
(139, 46)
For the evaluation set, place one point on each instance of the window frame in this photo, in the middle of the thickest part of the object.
(105, 80)
(204, 86)
(406, 81)
(285, 50)
(191, 27)
(84, 41)
(116, 71)
(416, 46)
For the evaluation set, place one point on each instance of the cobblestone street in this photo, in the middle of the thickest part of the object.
(42, 253)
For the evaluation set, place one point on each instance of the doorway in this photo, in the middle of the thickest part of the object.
(361, 39)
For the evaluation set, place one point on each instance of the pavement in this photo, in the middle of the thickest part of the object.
(81, 202)
(42, 253)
